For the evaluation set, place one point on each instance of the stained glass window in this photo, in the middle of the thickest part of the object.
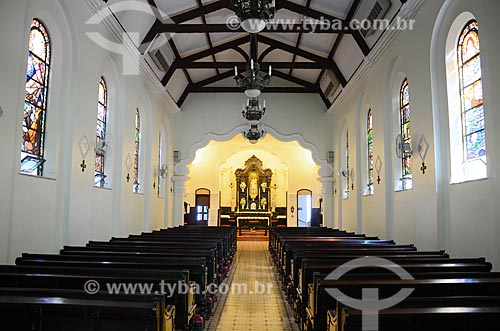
(347, 174)
(404, 102)
(369, 137)
(102, 115)
(160, 162)
(36, 92)
(137, 140)
(471, 92)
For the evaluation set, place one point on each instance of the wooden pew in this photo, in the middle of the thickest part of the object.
(50, 309)
(425, 292)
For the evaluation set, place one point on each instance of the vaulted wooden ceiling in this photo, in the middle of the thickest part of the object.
(204, 50)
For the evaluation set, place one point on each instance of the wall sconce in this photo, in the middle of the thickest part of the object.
(155, 175)
(352, 176)
(402, 148)
(330, 157)
(177, 156)
(128, 164)
(423, 149)
(163, 171)
(83, 144)
(378, 167)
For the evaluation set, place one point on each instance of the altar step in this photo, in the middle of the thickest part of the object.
(253, 235)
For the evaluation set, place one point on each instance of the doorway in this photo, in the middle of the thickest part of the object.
(202, 206)
(304, 208)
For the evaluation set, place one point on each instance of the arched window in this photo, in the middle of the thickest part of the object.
(369, 141)
(471, 97)
(35, 102)
(405, 121)
(346, 173)
(102, 116)
(137, 151)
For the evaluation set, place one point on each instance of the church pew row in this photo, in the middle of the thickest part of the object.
(307, 257)
(430, 314)
(37, 309)
(207, 257)
(220, 264)
(425, 289)
(157, 266)
(195, 266)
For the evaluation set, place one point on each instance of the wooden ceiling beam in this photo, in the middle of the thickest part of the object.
(223, 28)
(200, 55)
(242, 65)
(328, 63)
(204, 10)
(205, 89)
(309, 12)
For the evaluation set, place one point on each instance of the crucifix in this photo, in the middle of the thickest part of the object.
(423, 168)
(83, 165)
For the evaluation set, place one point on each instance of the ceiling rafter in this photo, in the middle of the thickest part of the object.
(201, 87)
(213, 89)
(200, 11)
(202, 54)
(177, 55)
(307, 55)
(242, 65)
(350, 15)
(304, 83)
(299, 39)
(309, 12)
(223, 28)
(165, 25)
(207, 35)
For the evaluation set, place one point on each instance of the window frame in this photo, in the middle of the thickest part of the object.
(370, 163)
(137, 152)
(100, 152)
(40, 130)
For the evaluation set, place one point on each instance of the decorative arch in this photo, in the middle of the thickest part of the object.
(181, 168)
(110, 69)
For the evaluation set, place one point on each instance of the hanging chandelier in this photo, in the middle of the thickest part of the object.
(253, 14)
(253, 112)
(253, 81)
(253, 134)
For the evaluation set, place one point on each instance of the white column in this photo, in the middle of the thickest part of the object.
(178, 199)
(328, 196)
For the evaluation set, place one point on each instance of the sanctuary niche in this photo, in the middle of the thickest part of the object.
(253, 197)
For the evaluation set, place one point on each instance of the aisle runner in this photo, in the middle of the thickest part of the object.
(254, 301)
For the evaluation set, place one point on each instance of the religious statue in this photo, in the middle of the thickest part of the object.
(243, 186)
(243, 202)
(254, 185)
(264, 186)
(263, 203)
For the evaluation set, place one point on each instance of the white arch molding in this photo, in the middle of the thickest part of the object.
(181, 170)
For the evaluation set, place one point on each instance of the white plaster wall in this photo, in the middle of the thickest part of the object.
(463, 218)
(39, 214)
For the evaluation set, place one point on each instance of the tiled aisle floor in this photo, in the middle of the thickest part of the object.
(254, 311)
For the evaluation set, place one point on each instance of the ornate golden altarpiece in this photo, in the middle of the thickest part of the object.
(253, 194)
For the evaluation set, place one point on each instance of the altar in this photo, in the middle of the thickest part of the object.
(253, 195)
